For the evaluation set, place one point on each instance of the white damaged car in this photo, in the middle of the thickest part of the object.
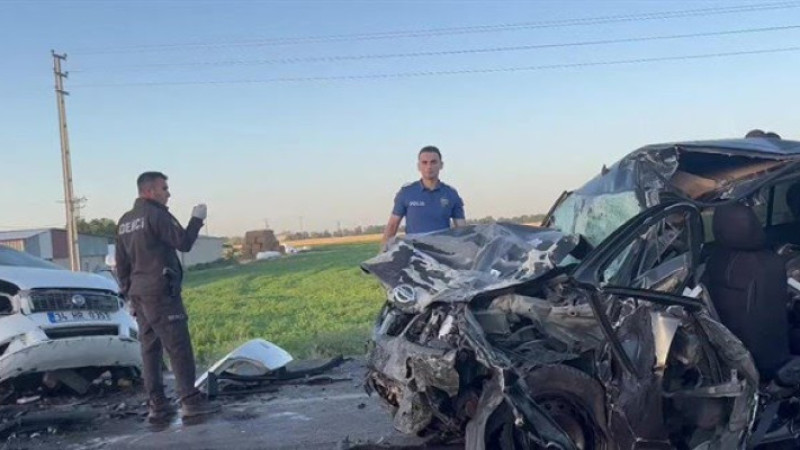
(53, 320)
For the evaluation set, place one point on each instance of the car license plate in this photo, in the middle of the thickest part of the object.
(73, 316)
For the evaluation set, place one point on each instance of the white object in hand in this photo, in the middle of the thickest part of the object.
(200, 211)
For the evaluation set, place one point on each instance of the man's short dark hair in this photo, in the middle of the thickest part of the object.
(146, 179)
(430, 149)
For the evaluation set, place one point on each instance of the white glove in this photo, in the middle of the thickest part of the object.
(200, 211)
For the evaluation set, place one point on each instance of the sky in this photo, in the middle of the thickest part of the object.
(262, 110)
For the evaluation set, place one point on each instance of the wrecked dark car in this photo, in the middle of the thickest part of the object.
(651, 310)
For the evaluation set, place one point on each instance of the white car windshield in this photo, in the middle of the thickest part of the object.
(11, 257)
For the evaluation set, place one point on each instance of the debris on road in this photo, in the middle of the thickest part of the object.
(47, 421)
(257, 366)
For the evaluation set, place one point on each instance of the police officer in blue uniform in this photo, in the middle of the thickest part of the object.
(428, 204)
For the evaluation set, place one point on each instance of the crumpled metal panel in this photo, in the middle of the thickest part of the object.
(736, 357)
(413, 414)
(436, 372)
(636, 397)
(458, 264)
(575, 326)
(410, 370)
(394, 356)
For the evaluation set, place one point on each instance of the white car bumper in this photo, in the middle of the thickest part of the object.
(30, 344)
(71, 353)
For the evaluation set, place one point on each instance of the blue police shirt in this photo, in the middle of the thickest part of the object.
(427, 210)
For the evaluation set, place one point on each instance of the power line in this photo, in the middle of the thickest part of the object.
(341, 58)
(450, 72)
(432, 32)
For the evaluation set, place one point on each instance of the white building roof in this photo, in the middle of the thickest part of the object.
(17, 235)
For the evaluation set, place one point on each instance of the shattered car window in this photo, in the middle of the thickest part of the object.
(604, 203)
(658, 259)
(595, 217)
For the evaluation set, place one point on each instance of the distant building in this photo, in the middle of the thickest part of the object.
(205, 250)
(51, 244)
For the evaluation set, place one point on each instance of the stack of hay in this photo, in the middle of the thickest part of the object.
(258, 241)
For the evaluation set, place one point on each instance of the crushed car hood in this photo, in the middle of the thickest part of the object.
(35, 278)
(456, 265)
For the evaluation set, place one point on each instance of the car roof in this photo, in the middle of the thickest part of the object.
(757, 147)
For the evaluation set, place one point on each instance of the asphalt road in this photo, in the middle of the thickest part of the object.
(338, 415)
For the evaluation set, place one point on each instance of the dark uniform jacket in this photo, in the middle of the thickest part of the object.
(146, 243)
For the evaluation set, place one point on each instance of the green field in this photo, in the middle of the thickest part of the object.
(312, 304)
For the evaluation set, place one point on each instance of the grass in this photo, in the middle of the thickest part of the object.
(312, 304)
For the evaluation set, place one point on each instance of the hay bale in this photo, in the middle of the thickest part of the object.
(257, 241)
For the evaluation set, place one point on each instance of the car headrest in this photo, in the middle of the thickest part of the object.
(736, 226)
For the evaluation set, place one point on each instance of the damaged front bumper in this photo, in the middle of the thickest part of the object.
(29, 344)
(85, 351)
(404, 374)
(454, 383)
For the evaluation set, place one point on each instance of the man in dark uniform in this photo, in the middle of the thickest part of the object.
(428, 205)
(150, 276)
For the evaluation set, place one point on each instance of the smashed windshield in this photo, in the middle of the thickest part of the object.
(595, 216)
(611, 198)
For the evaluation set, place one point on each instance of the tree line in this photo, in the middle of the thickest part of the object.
(107, 228)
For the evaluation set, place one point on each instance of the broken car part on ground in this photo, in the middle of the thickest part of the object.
(60, 328)
(257, 366)
(598, 330)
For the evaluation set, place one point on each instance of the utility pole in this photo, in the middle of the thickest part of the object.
(66, 164)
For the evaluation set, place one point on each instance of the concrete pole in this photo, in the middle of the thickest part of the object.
(66, 164)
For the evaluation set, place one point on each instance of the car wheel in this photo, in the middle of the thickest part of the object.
(574, 400)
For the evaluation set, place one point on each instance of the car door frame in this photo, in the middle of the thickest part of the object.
(587, 273)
